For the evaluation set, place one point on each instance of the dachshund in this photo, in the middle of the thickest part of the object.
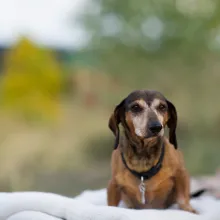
(148, 169)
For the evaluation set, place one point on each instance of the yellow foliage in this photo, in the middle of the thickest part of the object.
(32, 80)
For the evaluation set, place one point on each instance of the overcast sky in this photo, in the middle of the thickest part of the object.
(45, 21)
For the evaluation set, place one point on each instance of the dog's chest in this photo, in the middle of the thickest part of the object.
(156, 190)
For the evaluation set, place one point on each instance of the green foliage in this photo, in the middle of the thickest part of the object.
(132, 33)
(31, 83)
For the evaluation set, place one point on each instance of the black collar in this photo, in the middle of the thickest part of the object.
(149, 173)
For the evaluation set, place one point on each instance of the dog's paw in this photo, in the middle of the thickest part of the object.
(192, 210)
(188, 208)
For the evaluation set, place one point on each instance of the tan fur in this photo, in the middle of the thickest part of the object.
(170, 185)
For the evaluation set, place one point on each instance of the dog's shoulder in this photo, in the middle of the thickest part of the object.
(173, 157)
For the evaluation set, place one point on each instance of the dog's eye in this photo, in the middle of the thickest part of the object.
(162, 107)
(136, 108)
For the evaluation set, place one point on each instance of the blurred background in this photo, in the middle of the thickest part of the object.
(65, 64)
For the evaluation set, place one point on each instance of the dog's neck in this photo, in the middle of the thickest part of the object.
(141, 155)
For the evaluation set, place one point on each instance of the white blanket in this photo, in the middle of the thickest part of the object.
(91, 205)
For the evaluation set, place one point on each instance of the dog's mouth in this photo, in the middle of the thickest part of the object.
(153, 135)
(149, 134)
(148, 137)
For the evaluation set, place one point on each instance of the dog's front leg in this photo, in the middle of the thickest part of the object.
(113, 193)
(183, 191)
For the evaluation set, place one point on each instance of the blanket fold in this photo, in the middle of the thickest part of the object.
(91, 205)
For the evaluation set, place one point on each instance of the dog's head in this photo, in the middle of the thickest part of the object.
(144, 114)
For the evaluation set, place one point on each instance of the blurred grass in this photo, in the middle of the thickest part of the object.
(27, 150)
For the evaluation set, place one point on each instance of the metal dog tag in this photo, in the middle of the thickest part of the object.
(142, 190)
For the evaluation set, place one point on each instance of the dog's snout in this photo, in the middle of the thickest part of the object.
(155, 127)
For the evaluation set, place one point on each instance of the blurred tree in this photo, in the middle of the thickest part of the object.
(31, 83)
(129, 35)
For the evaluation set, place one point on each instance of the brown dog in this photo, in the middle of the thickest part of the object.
(147, 169)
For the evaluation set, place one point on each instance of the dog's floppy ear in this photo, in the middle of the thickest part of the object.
(115, 120)
(172, 124)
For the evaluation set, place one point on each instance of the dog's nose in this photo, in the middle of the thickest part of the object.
(155, 127)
